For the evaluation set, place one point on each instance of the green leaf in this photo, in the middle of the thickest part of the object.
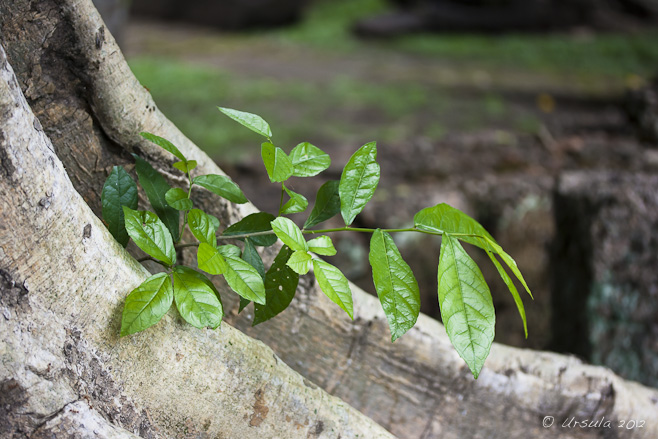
(229, 250)
(202, 226)
(250, 255)
(215, 222)
(196, 301)
(146, 304)
(243, 304)
(297, 203)
(244, 279)
(177, 198)
(119, 190)
(322, 246)
(308, 160)
(200, 276)
(358, 181)
(209, 259)
(185, 167)
(509, 261)
(251, 121)
(165, 144)
(277, 163)
(300, 262)
(254, 223)
(156, 188)
(150, 234)
(223, 186)
(289, 233)
(395, 284)
(334, 284)
(466, 306)
(327, 204)
(512, 290)
(280, 287)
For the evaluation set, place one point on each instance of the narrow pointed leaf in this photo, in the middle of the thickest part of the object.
(254, 223)
(334, 284)
(249, 120)
(185, 167)
(322, 246)
(223, 186)
(466, 305)
(308, 160)
(300, 262)
(277, 163)
(177, 198)
(150, 234)
(358, 181)
(395, 284)
(509, 261)
(512, 289)
(196, 301)
(250, 255)
(202, 226)
(280, 287)
(289, 233)
(119, 190)
(297, 203)
(146, 304)
(244, 279)
(209, 259)
(164, 144)
(327, 204)
(156, 187)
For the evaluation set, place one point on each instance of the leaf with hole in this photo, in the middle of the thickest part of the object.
(280, 287)
(196, 301)
(327, 204)
(177, 198)
(249, 120)
(308, 160)
(150, 234)
(276, 161)
(221, 185)
(119, 190)
(254, 223)
(358, 181)
(334, 285)
(289, 233)
(146, 304)
(297, 203)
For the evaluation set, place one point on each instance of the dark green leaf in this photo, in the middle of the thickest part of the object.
(308, 160)
(146, 304)
(280, 286)
(196, 301)
(250, 254)
(222, 186)
(243, 304)
(185, 167)
(177, 198)
(289, 233)
(322, 246)
(327, 204)
(156, 188)
(277, 163)
(251, 121)
(297, 203)
(202, 227)
(334, 284)
(165, 144)
(300, 262)
(254, 223)
(466, 305)
(119, 190)
(244, 279)
(395, 284)
(150, 234)
(358, 181)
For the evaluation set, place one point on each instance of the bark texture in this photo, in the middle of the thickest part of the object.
(92, 107)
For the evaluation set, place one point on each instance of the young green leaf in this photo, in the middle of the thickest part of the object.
(202, 227)
(511, 263)
(221, 185)
(150, 234)
(300, 262)
(395, 284)
(146, 304)
(358, 181)
(250, 255)
(512, 289)
(244, 279)
(254, 223)
(185, 167)
(229, 250)
(251, 121)
(196, 301)
(308, 160)
(202, 277)
(156, 188)
(119, 190)
(177, 198)
(327, 204)
(297, 203)
(164, 144)
(289, 233)
(444, 218)
(334, 284)
(277, 163)
(322, 246)
(280, 287)
(466, 306)
(209, 259)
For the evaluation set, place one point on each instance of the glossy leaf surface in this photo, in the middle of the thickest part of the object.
(223, 186)
(289, 233)
(164, 144)
(177, 198)
(358, 181)
(202, 226)
(334, 284)
(308, 160)
(254, 223)
(277, 163)
(249, 120)
(119, 190)
(150, 234)
(196, 301)
(327, 204)
(146, 304)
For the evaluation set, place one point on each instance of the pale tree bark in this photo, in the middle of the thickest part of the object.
(91, 107)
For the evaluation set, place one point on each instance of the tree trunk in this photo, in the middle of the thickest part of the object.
(64, 281)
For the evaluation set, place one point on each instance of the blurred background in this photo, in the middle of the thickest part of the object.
(488, 105)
